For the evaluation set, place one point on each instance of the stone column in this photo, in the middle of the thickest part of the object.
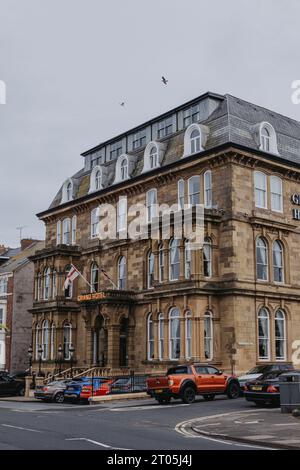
(113, 353)
(28, 380)
(182, 339)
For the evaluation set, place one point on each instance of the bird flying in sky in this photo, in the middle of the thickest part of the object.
(164, 80)
(122, 103)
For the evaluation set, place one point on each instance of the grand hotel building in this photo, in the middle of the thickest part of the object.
(235, 302)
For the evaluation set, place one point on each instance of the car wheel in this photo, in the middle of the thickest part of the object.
(233, 390)
(209, 397)
(21, 392)
(59, 397)
(188, 395)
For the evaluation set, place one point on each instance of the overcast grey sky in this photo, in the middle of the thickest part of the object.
(68, 63)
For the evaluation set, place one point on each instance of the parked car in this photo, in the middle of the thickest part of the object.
(102, 389)
(11, 386)
(266, 389)
(53, 391)
(73, 388)
(258, 371)
(129, 384)
(187, 381)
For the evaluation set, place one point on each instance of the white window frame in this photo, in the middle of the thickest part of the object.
(207, 257)
(279, 338)
(95, 221)
(208, 339)
(161, 334)
(188, 334)
(280, 267)
(58, 232)
(192, 195)
(260, 190)
(66, 344)
(161, 262)
(94, 277)
(276, 194)
(150, 269)
(174, 245)
(67, 235)
(122, 214)
(207, 180)
(187, 260)
(150, 337)
(264, 314)
(261, 244)
(151, 205)
(52, 341)
(181, 195)
(45, 340)
(74, 228)
(176, 339)
(47, 283)
(122, 277)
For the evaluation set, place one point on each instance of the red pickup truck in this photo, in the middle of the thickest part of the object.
(187, 381)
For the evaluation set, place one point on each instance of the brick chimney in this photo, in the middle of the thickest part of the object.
(26, 242)
(2, 249)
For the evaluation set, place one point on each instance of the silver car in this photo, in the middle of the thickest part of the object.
(53, 391)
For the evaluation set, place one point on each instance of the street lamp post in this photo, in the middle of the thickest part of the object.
(40, 353)
(60, 353)
(30, 351)
(71, 351)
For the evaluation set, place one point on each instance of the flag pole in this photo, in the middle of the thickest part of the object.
(85, 280)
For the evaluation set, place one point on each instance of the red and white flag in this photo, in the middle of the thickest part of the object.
(107, 277)
(72, 275)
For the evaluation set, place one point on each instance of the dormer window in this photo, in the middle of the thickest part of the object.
(195, 139)
(98, 175)
(153, 158)
(154, 153)
(115, 150)
(191, 115)
(67, 191)
(125, 165)
(124, 169)
(267, 138)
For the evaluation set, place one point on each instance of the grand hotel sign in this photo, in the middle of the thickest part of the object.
(295, 198)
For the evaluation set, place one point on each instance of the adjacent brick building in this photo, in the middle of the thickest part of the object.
(16, 297)
(235, 301)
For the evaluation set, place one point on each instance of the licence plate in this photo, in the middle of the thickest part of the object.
(159, 390)
(256, 387)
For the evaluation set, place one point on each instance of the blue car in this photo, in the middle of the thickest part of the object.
(73, 389)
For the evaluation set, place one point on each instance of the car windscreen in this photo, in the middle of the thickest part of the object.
(271, 375)
(258, 370)
(178, 370)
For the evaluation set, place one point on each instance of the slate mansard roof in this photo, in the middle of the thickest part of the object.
(230, 120)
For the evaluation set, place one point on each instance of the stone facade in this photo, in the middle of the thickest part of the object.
(217, 314)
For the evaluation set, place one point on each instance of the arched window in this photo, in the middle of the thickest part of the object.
(181, 195)
(150, 336)
(261, 259)
(95, 219)
(194, 190)
(37, 341)
(280, 335)
(124, 169)
(207, 257)
(45, 340)
(153, 157)
(52, 342)
(69, 191)
(187, 259)
(69, 289)
(207, 189)
(47, 283)
(54, 284)
(67, 231)
(195, 141)
(188, 335)
(278, 261)
(74, 224)
(94, 277)
(276, 193)
(161, 336)
(174, 334)
(98, 179)
(208, 336)
(40, 287)
(195, 138)
(260, 185)
(122, 273)
(150, 270)
(174, 259)
(265, 139)
(263, 334)
(161, 262)
(67, 340)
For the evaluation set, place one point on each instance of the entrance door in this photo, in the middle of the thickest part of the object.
(123, 343)
(99, 343)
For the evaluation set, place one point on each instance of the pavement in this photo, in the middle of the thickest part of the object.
(268, 427)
